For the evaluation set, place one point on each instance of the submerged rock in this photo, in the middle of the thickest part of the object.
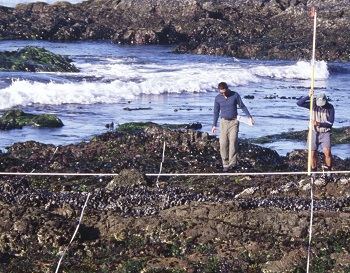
(9, 125)
(35, 59)
(16, 119)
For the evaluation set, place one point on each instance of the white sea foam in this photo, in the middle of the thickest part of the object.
(112, 81)
(181, 87)
(300, 70)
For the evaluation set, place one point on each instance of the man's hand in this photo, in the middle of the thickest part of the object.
(311, 92)
(315, 123)
(251, 121)
(213, 130)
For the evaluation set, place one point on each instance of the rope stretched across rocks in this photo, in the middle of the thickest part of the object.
(171, 174)
(75, 232)
(180, 174)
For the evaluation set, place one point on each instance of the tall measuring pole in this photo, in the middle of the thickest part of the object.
(313, 15)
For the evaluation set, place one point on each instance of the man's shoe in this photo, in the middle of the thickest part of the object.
(235, 168)
(232, 168)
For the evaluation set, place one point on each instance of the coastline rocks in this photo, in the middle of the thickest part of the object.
(9, 125)
(339, 136)
(204, 223)
(34, 59)
(16, 119)
(131, 178)
(243, 29)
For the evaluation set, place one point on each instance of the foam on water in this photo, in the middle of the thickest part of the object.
(112, 80)
(176, 89)
(299, 70)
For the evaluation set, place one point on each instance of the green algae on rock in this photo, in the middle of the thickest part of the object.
(35, 59)
(339, 136)
(140, 126)
(19, 118)
(135, 126)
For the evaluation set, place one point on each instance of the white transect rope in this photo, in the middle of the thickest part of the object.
(161, 165)
(75, 232)
(53, 154)
(170, 174)
(23, 176)
(179, 174)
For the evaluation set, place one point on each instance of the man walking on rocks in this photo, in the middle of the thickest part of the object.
(226, 104)
(322, 123)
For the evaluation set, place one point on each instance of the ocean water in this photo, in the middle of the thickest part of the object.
(166, 88)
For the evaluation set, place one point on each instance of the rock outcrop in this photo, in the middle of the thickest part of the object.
(137, 220)
(16, 119)
(34, 59)
(263, 29)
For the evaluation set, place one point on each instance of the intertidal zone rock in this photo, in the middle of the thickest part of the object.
(35, 59)
(253, 29)
(16, 119)
(185, 218)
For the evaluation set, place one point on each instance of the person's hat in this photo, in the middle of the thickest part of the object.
(321, 99)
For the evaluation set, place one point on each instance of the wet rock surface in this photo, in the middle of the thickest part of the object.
(339, 136)
(263, 29)
(35, 59)
(16, 119)
(141, 219)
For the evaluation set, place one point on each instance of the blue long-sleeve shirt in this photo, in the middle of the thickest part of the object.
(227, 107)
(322, 114)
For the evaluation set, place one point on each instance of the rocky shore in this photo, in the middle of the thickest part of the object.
(263, 29)
(139, 221)
(158, 201)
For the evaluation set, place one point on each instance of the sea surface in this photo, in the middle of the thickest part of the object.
(166, 88)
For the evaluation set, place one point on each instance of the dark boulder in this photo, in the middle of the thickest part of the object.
(15, 119)
(9, 125)
(263, 29)
(34, 59)
(128, 177)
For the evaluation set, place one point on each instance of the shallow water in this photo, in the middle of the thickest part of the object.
(177, 88)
